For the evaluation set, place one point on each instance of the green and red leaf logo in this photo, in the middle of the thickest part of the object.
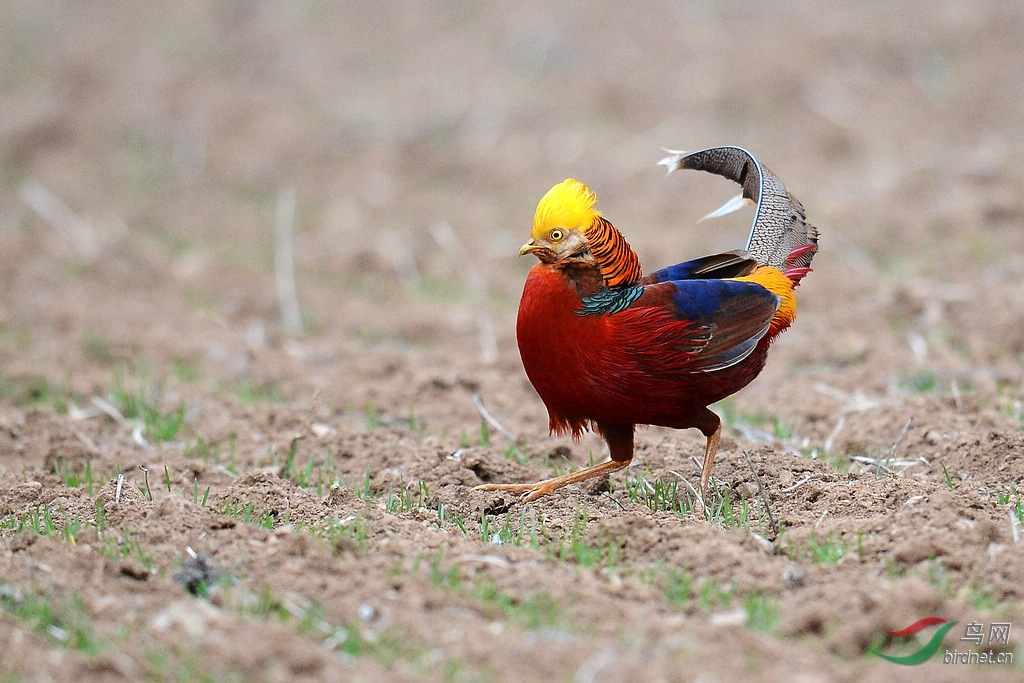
(928, 649)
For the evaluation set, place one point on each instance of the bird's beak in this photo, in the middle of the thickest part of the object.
(529, 248)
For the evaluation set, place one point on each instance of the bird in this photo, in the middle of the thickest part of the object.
(608, 348)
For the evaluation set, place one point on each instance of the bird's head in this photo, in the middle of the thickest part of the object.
(564, 216)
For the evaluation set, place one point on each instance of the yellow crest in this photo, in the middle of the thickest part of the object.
(569, 204)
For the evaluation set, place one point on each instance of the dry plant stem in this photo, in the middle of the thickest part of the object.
(696, 496)
(615, 500)
(65, 222)
(284, 261)
(490, 419)
(896, 443)
(764, 494)
(110, 410)
(86, 441)
(835, 432)
(138, 437)
(445, 237)
(145, 473)
(867, 463)
(797, 485)
(820, 519)
(487, 337)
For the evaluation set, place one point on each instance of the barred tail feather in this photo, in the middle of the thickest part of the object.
(780, 235)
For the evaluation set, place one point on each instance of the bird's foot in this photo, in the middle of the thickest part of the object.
(527, 492)
(548, 486)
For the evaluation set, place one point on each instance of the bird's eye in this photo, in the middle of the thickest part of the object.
(556, 234)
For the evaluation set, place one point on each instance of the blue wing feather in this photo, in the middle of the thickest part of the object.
(716, 299)
(725, 265)
(718, 322)
(679, 271)
(731, 315)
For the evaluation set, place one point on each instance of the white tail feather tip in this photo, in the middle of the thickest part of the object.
(672, 162)
(734, 204)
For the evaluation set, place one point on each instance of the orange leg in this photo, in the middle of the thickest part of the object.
(710, 450)
(620, 445)
(549, 486)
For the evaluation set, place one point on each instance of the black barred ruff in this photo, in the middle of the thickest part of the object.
(619, 264)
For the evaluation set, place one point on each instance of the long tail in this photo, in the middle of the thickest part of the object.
(780, 235)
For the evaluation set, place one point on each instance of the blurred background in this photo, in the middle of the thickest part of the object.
(171, 172)
(147, 151)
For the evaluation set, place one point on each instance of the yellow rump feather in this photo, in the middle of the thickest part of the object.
(569, 204)
(775, 281)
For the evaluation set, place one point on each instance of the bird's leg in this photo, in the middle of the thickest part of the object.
(549, 486)
(712, 429)
(620, 444)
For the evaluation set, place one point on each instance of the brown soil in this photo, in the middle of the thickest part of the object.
(313, 518)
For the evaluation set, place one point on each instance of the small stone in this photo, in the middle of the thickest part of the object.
(133, 570)
(193, 617)
(784, 478)
(735, 617)
(794, 575)
(197, 574)
(746, 489)
(22, 542)
(767, 545)
(321, 430)
(28, 491)
(812, 492)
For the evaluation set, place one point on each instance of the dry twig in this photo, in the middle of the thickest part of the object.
(110, 410)
(764, 494)
(65, 222)
(145, 473)
(445, 237)
(820, 519)
(697, 497)
(853, 402)
(903, 433)
(491, 420)
(827, 447)
(615, 500)
(284, 261)
(797, 485)
(954, 388)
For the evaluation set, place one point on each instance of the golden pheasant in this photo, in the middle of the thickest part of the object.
(608, 348)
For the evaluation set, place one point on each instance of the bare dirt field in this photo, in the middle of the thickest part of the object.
(193, 488)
